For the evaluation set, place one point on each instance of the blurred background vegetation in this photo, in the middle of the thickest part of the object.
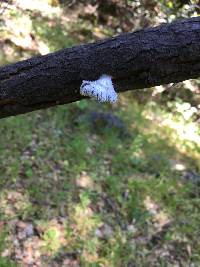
(91, 184)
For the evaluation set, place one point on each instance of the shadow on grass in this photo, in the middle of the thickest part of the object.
(108, 195)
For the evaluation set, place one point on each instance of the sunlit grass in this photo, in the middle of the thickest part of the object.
(115, 192)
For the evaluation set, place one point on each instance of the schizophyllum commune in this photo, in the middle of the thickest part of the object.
(101, 89)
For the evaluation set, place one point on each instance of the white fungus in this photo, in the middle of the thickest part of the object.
(101, 89)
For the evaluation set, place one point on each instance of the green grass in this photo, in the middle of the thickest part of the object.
(4, 262)
(59, 158)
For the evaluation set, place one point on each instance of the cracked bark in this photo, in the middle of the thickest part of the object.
(153, 56)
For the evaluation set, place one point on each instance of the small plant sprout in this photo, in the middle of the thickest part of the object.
(101, 89)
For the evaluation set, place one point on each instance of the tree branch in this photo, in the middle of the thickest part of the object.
(153, 56)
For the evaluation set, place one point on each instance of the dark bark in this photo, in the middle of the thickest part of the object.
(146, 58)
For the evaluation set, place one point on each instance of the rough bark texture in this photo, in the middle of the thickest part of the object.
(153, 56)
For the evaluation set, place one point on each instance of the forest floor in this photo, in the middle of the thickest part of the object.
(90, 184)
